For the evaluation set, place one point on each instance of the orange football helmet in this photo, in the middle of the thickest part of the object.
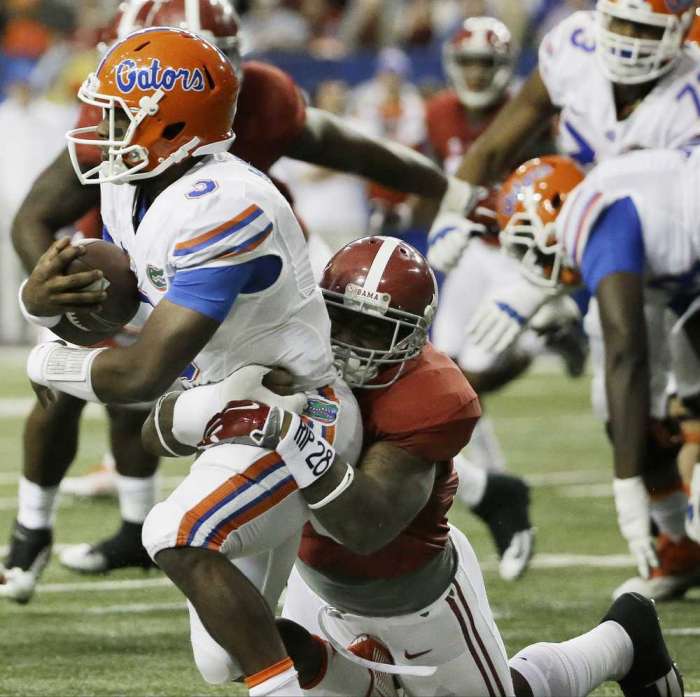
(179, 93)
(527, 208)
(630, 59)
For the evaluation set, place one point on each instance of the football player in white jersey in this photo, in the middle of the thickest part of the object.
(221, 259)
(627, 232)
(620, 78)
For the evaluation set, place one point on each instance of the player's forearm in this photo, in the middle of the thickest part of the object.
(365, 517)
(330, 142)
(627, 388)
(126, 375)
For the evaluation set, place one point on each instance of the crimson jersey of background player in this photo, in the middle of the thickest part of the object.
(478, 60)
(430, 411)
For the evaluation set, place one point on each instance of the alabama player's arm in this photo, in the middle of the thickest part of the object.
(56, 200)
(328, 141)
(522, 119)
(390, 487)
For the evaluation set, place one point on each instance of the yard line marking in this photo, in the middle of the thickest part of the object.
(565, 561)
(14, 407)
(568, 477)
(683, 631)
(586, 491)
(126, 584)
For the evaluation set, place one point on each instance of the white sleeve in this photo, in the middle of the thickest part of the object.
(564, 54)
(225, 235)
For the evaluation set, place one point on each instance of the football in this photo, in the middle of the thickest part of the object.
(89, 327)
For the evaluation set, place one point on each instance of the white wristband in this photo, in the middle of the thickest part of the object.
(307, 454)
(156, 419)
(344, 483)
(63, 368)
(460, 197)
(47, 322)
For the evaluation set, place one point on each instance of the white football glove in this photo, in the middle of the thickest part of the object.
(501, 318)
(692, 519)
(449, 236)
(633, 517)
(451, 231)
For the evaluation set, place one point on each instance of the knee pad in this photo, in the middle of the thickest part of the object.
(160, 528)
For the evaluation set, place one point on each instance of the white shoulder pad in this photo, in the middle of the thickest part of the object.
(566, 52)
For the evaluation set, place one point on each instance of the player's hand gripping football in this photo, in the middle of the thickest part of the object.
(245, 422)
(633, 517)
(49, 291)
(501, 318)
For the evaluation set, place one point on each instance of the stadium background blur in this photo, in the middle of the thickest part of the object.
(127, 634)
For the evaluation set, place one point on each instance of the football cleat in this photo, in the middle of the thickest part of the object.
(653, 673)
(101, 481)
(123, 550)
(678, 570)
(505, 509)
(29, 554)
(372, 649)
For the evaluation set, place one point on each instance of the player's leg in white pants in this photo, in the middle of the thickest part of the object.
(456, 634)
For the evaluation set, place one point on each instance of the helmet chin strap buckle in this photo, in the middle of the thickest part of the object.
(149, 104)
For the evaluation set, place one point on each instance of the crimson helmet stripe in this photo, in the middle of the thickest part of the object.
(192, 14)
(376, 270)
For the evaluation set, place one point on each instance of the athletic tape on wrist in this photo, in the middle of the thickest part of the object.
(156, 417)
(307, 454)
(63, 368)
(344, 484)
(47, 322)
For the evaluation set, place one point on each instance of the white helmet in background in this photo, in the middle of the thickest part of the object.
(482, 40)
(631, 59)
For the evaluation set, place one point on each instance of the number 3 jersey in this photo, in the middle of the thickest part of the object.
(223, 241)
(589, 131)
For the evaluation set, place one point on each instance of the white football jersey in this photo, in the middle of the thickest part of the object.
(223, 213)
(663, 186)
(668, 117)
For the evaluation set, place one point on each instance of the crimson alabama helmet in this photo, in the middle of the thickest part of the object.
(214, 20)
(381, 277)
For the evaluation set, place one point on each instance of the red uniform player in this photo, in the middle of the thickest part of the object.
(397, 592)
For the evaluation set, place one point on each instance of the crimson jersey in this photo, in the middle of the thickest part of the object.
(270, 114)
(451, 130)
(429, 411)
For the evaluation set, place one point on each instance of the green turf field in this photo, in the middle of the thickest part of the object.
(126, 634)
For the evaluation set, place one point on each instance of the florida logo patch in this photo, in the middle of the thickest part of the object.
(155, 77)
(157, 277)
(320, 410)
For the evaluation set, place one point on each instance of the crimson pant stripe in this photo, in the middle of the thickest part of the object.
(472, 650)
(494, 673)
